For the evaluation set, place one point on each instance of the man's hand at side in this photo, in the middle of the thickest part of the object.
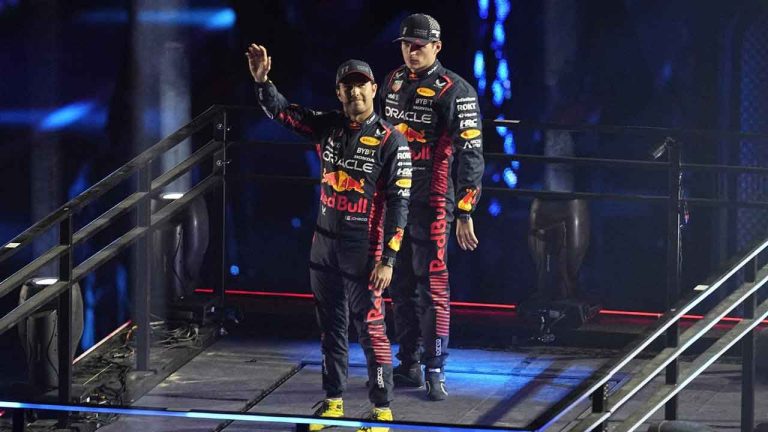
(381, 276)
(465, 234)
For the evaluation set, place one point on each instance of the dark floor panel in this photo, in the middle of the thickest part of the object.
(486, 388)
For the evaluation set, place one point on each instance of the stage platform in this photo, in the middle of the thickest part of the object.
(269, 363)
(499, 388)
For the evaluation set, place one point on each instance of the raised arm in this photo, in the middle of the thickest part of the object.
(304, 121)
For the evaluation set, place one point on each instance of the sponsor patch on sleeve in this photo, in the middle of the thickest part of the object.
(470, 133)
(404, 182)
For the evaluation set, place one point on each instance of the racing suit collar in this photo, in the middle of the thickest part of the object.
(423, 74)
(357, 125)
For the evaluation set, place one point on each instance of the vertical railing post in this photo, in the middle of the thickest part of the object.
(674, 261)
(143, 266)
(220, 162)
(748, 356)
(600, 404)
(64, 324)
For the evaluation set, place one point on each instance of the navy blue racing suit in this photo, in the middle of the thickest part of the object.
(364, 192)
(438, 113)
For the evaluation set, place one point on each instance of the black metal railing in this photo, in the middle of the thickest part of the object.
(139, 201)
(594, 388)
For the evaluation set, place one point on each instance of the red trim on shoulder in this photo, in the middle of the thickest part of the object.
(386, 137)
(447, 86)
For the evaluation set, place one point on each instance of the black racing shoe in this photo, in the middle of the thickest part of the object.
(435, 380)
(408, 375)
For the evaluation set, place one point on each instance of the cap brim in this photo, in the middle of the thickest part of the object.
(413, 40)
(348, 74)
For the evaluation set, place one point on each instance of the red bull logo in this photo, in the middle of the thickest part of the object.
(468, 200)
(343, 203)
(396, 240)
(375, 314)
(424, 154)
(411, 134)
(340, 181)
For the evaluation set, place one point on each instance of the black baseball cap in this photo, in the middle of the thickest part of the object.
(420, 28)
(350, 67)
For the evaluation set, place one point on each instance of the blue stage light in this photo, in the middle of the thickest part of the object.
(496, 177)
(481, 86)
(515, 165)
(479, 66)
(234, 270)
(502, 71)
(499, 35)
(65, 116)
(222, 19)
(482, 8)
(494, 208)
(510, 178)
(498, 93)
(503, 7)
(509, 144)
(208, 18)
(296, 222)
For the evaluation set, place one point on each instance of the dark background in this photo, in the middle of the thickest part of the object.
(683, 64)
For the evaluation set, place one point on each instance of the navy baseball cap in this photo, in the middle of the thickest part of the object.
(350, 67)
(419, 28)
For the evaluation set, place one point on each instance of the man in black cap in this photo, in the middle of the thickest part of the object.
(438, 113)
(364, 191)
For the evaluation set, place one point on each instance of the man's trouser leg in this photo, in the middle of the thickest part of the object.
(405, 300)
(332, 314)
(430, 259)
(367, 311)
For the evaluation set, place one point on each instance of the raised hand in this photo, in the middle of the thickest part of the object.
(259, 62)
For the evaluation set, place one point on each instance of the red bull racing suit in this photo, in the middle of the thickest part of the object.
(364, 192)
(438, 113)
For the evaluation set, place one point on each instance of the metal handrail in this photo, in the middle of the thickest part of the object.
(603, 375)
(108, 182)
(146, 222)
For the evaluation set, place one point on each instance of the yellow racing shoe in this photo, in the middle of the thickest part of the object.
(378, 414)
(330, 408)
